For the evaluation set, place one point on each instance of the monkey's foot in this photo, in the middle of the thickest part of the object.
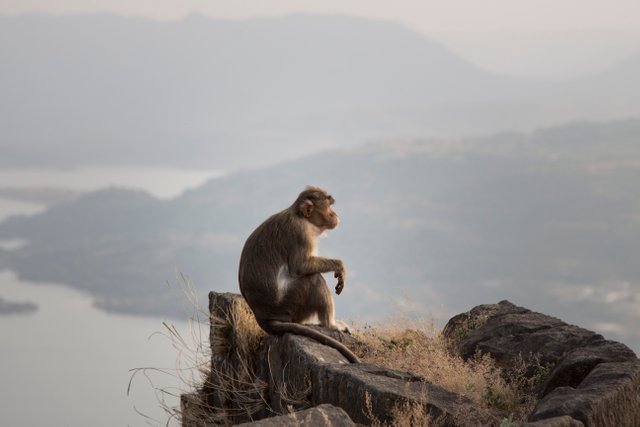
(341, 326)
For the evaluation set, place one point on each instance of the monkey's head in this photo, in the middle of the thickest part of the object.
(314, 204)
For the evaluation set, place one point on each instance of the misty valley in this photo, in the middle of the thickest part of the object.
(546, 219)
(137, 154)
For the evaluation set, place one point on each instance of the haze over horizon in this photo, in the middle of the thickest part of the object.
(456, 15)
(536, 38)
(204, 93)
(100, 89)
(478, 151)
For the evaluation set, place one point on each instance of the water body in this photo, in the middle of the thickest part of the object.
(68, 364)
(12, 207)
(161, 182)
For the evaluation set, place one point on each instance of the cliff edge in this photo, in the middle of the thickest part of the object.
(582, 379)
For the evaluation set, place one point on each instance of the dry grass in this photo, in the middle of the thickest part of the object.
(225, 387)
(418, 347)
(231, 390)
(192, 362)
(215, 369)
(404, 414)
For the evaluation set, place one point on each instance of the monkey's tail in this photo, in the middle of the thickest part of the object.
(277, 327)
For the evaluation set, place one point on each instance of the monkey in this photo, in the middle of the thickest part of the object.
(280, 271)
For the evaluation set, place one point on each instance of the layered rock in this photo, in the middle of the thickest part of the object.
(589, 380)
(585, 380)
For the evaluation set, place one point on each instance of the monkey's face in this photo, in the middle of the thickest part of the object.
(320, 213)
(331, 218)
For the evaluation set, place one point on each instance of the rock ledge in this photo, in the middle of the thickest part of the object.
(591, 381)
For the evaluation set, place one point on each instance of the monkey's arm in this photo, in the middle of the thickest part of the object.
(315, 264)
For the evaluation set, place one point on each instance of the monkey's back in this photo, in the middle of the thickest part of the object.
(264, 254)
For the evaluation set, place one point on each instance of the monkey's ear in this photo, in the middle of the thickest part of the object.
(306, 208)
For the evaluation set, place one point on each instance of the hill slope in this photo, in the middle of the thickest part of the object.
(549, 218)
(199, 92)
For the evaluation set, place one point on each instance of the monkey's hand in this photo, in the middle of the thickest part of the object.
(340, 276)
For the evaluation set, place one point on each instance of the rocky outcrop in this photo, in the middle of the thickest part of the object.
(292, 373)
(320, 416)
(585, 380)
(591, 380)
(302, 364)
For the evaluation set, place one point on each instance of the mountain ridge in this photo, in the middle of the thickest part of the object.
(545, 217)
(211, 93)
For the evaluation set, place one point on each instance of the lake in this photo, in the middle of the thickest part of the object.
(75, 360)
(10, 207)
(162, 182)
(68, 364)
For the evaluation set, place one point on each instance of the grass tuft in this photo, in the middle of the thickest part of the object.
(420, 348)
(226, 389)
(403, 414)
(192, 362)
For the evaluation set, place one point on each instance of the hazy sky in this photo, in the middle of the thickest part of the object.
(422, 15)
(543, 38)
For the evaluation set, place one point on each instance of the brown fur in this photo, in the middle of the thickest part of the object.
(280, 276)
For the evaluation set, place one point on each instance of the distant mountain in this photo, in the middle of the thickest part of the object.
(553, 55)
(613, 93)
(625, 71)
(200, 92)
(39, 195)
(12, 308)
(549, 218)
